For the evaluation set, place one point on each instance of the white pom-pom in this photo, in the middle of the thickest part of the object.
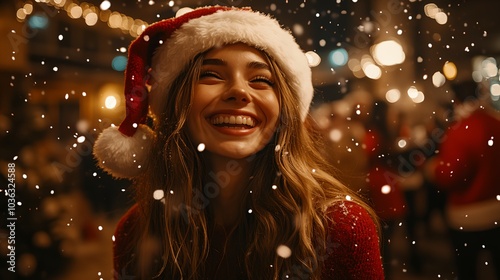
(123, 156)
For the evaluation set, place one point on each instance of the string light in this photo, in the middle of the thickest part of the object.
(91, 15)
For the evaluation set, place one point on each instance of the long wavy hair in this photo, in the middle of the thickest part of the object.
(291, 188)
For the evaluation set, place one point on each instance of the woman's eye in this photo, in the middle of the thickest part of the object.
(209, 74)
(262, 79)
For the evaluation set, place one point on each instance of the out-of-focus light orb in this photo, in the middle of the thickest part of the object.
(28, 8)
(412, 92)
(21, 14)
(82, 126)
(284, 251)
(38, 21)
(91, 19)
(313, 59)
(419, 98)
(298, 29)
(368, 26)
(75, 11)
(335, 135)
(477, 76)
(338, 57)
(441, 18)
(105, 5)
(450, 70)
(119, 63)
(183, 11)
(385, 189)
(115, 20)
(372, 71)
(388, 53)
(393, 95)
(158, 194)
(402, 143)
(495, 89)
(431, 10)
(490, 68)
(201, 147)
(110, 102)
(490, 142)
(59, 3)
(438, 79)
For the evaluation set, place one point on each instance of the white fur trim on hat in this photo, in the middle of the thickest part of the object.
(124, 156)
(226, 27)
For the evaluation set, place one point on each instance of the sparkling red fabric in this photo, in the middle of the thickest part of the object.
(352, 247)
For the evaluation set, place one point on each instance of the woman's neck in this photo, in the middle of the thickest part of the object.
(225, 183)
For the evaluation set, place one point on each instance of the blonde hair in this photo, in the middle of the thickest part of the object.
(291, 189)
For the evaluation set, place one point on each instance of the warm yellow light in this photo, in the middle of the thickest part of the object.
(115, 20)
(392, 95)
(313, 59)
(110, 102)
(450, 70)
(419, 98)
(91, 19)
(75, 11)
(182, 11)
(110, 96)
(388, 53)
(441, 18)
(28, 8)
(431, 10)
(21, 14)
(438, 79)
(372, 71)
(412, 92)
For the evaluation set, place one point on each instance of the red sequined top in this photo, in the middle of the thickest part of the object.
(352, 247)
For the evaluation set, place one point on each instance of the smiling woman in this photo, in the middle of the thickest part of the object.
(230, 183)
(235, 86)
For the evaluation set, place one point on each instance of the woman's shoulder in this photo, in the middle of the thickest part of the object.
(125, 236)
(353, 245)
(350, 220)
(346, 211)
(127, 221)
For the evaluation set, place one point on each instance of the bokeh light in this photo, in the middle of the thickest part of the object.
(119, 63)
(388, 53)
(338, 57)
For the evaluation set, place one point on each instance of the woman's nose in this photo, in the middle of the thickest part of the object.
(238, 91)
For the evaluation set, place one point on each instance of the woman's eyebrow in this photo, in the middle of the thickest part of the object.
(214, 61)
(252, 64)
(258, 65)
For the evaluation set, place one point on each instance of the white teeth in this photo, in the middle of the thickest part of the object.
(233, 119)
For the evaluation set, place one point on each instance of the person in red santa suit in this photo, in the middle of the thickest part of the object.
(229, 180)
(466, 169)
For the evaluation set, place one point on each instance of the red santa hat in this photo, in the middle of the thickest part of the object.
(165, 48)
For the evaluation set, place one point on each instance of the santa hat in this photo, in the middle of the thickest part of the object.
(165, 48)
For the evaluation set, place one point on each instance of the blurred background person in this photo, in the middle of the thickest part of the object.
(383, 182)
(466, 167)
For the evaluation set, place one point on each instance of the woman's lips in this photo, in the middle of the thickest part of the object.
(233, 121)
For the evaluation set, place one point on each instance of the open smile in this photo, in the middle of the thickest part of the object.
(233, 121)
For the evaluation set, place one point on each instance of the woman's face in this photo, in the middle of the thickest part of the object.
(235, 106)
